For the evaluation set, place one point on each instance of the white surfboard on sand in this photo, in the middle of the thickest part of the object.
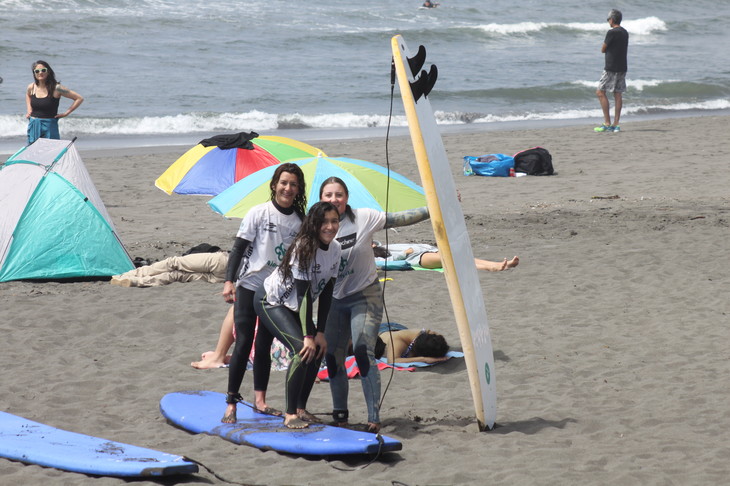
(449, 228)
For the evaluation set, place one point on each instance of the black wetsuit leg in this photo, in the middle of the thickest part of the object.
(285, 326)
(244, 318)
(309, 378)
(262, 358)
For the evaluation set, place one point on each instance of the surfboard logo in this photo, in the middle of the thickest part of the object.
(487, 373)
(347, 241)
(280, 251)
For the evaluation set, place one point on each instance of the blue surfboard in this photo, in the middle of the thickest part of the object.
(201, 412)
(35, 443)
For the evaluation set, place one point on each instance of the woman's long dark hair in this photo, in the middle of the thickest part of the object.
(337, 180)
(51, 82)
(300, 201)
(307, 240)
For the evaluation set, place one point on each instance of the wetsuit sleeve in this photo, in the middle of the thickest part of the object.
(406, 218)
(234, 258)
(325, 300)
(304, 289)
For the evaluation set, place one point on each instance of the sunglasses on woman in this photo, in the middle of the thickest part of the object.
(38, 71)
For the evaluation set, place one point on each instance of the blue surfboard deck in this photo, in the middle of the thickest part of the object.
(35, 443)
(201, 412)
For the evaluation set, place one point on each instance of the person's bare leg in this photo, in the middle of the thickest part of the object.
(603, 100)
(496, 266)
(619, 99)
(431, 260)
(490, 266)
(217, 359)
(261, 406)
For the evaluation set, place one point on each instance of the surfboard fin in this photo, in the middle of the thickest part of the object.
(416, 62)
(424, 84)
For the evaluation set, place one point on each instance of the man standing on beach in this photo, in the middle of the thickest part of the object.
(615, 47)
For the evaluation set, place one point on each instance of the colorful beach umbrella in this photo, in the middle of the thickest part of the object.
(208, 170)
(367, 182)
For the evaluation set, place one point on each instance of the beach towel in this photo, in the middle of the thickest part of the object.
(398, 259)
(353, 371)
(402, 265)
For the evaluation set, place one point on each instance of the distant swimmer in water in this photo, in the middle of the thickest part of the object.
(428, 4)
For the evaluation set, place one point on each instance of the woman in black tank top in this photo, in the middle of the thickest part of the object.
(42, 98)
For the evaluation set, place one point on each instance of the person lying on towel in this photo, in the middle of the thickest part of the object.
(402, 345)
(427, 256)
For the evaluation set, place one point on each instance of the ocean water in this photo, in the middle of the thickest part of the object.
(165, 69)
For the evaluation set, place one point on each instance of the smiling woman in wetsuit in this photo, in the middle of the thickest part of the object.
(284, 305)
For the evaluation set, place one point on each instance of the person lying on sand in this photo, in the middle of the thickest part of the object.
(208, 267)
(403, 345)
(427, 256)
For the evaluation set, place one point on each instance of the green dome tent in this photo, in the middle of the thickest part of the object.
(54, 225)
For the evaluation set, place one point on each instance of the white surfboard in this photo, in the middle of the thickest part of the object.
(449, 228)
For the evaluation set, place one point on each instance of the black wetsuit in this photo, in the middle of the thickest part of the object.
(286, 325)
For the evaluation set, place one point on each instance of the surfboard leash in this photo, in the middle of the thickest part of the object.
(381, 442)
(214, 474)
(387, 195)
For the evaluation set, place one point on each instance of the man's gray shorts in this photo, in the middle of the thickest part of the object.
(612, 81)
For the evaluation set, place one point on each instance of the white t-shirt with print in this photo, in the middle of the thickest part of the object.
(323, 268)
(270, 232)
(357, 265)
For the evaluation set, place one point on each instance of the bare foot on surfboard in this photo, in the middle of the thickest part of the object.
(308, 417)
(293, 422)
(230, 416)
(266, 410)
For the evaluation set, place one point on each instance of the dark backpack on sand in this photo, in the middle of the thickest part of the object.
(534, 161)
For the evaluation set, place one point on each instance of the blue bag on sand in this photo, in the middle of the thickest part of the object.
(495, 165)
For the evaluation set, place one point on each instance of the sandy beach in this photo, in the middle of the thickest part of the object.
(610, 338)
